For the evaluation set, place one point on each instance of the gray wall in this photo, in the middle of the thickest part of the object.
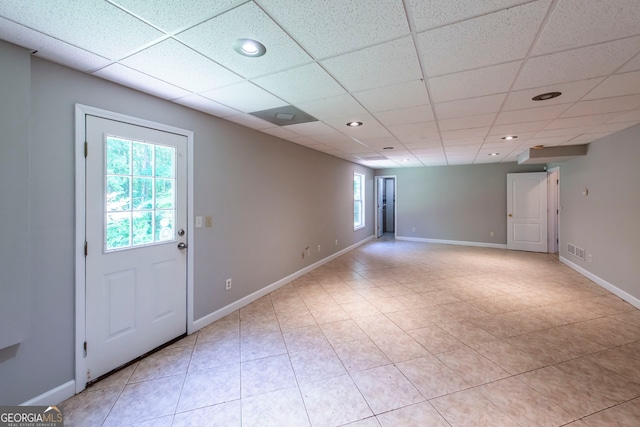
(606, 222)
(460, 203)
(269, 199)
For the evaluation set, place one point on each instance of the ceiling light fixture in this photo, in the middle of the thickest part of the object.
(249, 47)
(354, 124)
(494, 154)
(545, 96)
(509, 137)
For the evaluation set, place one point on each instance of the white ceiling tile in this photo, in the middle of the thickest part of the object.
(607, 105)
(311, 128)
(301, 84)
(586, 138)
(205, 105)
(577, 23)
(50, 48)
(333, 138)
(522, 137)
(389, 98)
(464, 134)
(571, 92)
(573, 122)
(370, 129)
(439, 161)
(631, 116)
(172, 61)
(632, 65)
(531, 114)
(249, 121)
(425, 130)
(378, 143)
(517, 128)
(338, 106)
(468, 142)
(280, 132)
(350, 147)
(415, 114)
(577, 64)
(330, 27)
(470, 107)
(394, 62)
(215, 37)
(617, 85)
(245, 97)
(303, 140)
(481, 41)
(474, 83)
(93, 25)
(565, 132)
(427, 152)
(436, 13)
(137, 80)
(423, 144)
(550, 141)
(175, 15)
(610, 127)
(468, 122)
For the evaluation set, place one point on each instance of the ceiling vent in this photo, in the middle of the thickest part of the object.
(284, 116)
(373, 158)
(560, 153)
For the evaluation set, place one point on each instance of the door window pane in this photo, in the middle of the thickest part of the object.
(358, 201)
(140, 196)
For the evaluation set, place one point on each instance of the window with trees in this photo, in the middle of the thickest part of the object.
(358, 201)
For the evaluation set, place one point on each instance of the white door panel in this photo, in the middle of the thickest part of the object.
(136, 194)
(527, 211)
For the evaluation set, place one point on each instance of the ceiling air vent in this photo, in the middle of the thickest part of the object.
(284, 116)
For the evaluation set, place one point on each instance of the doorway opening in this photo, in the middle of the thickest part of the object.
(386, 206)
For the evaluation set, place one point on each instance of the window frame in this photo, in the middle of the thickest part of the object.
(360, 200)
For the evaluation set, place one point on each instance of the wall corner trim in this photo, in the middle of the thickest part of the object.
(219, 314)
(453, 242)
(608, 286)
(55, 396)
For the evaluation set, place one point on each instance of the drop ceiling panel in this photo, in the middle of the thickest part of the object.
(250, 121)
(93, 25)
(293, 85)
(50, 48)
(205, 105)
(571, 92)
(128, 77)
(469, 122)
(415, 114)
(632, 65)
(425, 130)
(600, 106)
(474, 83)
(330, 27)
(531, 114)
(280, 132)
(344, 106)
(311, 128)
(617, 85)
(517, 128)
(454, 47)
(572, 24)
(175, 14)
(215, 37)
(393, 97)
(245, 97)
(464, 134)
(631, 116)
(172, 61)
(470, 107)
(573, 122)
(394, 62)
(577, 64)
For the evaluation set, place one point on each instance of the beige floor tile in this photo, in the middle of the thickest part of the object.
(164, 363)
(345, 296)
(469, 408)
(397, 290)
(632, 349)
(508, 357)
(275, 409)
(145, 401)
(221, 330)
(327, 315)
(210, 387)
(564, 338)
(385, 388)
(467, 332)
(436, 339)
(266, 375)
(303, 339)
(471, 366)
(625, 415)
(188, 341)
(618, 361)
(536, 346)
(316, 364)
(431, 377)
(342, 331)
(367, 422)
(258, 308)
(335, 401)
(360, 355)
(632, 318)
(605, 331)
(408, 320)
(360, 309)
(224, 414)
(418, 415)
(211, 354)
(295, 319)
(261, 345)
(261, 324)
(400, 346)
(90, 407)
(388, 305)
(117, 379)
(286, 303)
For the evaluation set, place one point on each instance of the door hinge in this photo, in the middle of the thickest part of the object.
(86, 249)
(86, 148)
(84, 347)
(557, 182)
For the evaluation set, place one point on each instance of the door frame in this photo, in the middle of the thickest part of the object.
(80, 224)
(553, 221)
(395, 205)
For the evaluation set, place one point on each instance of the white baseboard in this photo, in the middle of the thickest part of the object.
(54, 396)
(219, 314)
(452, 242)
(600, 281)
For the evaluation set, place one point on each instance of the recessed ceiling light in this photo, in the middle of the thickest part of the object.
(509, 137)
(354, 124)
(494, 154)
(387, 148)
(545, 96)
(249, 47)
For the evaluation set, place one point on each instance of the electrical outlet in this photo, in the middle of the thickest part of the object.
(413, 229)
(227, 284)
(198, 222)
(589, 258)
(307, 251)
(209, 221)
(318, 248)
(336, 242)
(491, 234)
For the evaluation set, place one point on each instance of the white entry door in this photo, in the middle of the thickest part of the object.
(136, 222)
(527, 211)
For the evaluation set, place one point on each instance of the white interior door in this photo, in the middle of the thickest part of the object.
(136, 218)
(527, 211)
(380, 206)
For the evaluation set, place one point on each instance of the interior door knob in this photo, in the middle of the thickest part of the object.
(182, 245)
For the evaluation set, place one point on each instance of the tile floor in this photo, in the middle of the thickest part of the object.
(396, 334)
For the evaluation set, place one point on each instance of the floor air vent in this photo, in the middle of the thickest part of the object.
(576, 251)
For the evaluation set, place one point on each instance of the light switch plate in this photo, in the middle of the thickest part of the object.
(198, 222)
